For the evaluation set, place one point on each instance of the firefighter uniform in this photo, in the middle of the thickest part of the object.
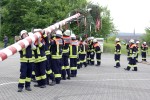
(49, 73)
(65, 57)
(56, 54)
(92, 53)
(97, 51)
(40, 64)
(117, 53)
(26, 64)
(132, 57)
(88, 52)
(144, 49)
(82, 54)
(138, 50)
(78, 58)
(127, 48)
(73, 54)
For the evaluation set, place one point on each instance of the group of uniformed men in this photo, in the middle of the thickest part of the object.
(133, 51)
(48, 58)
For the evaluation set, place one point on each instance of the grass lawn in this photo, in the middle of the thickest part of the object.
(1, 44)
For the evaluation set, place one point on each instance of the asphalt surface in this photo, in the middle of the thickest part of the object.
(92, 83)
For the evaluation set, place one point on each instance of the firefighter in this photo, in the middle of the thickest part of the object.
(65, 56)
(73, 54)
(56, 55)
(78, 58)
(88, 50)
(127, 48)
(97, 49)
(26, 64)
(144, 49)
(40, 61)
(33, 69)
(137, 46)
(49, 73)
(82, 53)
(117, 52)
(92, 53)
(132, 56)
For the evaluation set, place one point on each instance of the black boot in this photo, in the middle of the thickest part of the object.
(128, 68)
(135, 69)
(68, 77)
(28, 89)
(53, 83)
(43, 86)
(20, 89)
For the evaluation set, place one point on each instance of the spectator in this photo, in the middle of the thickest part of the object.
(5, 40)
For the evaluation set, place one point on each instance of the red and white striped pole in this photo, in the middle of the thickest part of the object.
(14, 48)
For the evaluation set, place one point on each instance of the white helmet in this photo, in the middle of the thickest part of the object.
(144, 42)
(117, 39)
(67, 32)
(80, 38)
(131, 41)
(37, 30)
(59, 33)
(73, 36)
(22, 32)
(137, 42)
(30, 33)
(94, 40)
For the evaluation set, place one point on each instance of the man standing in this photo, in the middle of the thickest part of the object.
(73, 54)
(97, 51)
(137, 46)
(5, 40)
(65, 56)
(26, 64)
(117, 52)
(144, 49)
(56, 54)
(132, 56)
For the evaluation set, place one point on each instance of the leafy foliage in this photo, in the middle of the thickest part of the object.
(146, 37)
(27, 14)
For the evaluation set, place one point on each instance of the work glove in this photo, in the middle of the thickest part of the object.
(133, 56)
(92, 53)
(33, 47)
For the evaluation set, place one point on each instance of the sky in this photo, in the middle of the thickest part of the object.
(128, 14)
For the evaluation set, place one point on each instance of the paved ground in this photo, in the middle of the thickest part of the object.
(92, 83)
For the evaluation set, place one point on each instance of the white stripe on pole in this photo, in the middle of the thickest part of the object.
(32, 38)
(17, 46)
(25, 42)
(7, 52)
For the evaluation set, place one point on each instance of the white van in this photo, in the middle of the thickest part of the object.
(101, 42)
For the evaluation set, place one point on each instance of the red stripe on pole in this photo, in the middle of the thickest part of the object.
(13, 49)
(35, 36)
(29, 40)
(3, 55)
(21, 44)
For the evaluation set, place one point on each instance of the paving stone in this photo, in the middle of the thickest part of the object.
(92, 83)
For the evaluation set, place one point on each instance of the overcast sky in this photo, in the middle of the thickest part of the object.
(128, 14)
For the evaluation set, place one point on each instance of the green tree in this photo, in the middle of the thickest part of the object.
(146, 37)
(27, 14)
(107, 25)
